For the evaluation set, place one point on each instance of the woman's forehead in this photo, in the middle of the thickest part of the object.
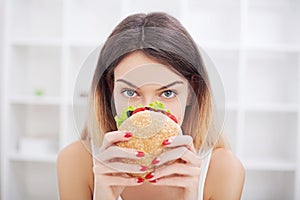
(151, 73)
(140, 69)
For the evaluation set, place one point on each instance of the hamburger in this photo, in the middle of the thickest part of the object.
(150, 126)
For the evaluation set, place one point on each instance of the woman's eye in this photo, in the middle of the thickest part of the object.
(168, 94)
(129, 93)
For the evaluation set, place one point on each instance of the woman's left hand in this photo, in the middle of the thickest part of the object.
(183, 174)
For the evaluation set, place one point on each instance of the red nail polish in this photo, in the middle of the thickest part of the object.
(139, 180)
(143, 168)
(153, 181)
(155, 161)
(149, 176)
(167, 141)
(128, 135)
(140, 154)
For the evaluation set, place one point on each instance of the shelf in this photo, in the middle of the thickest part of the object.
(261, 185)
(44, 42)
(226, 63)
(82, 64)
(219, 46)
(273, 47)
(35, 100)
(75, 123)
(273, 23)
(293, 108)
(51, 158)
(36, 19)
(33, 121)
(272, 78)
(85, 20)
(208, 21)
(84, 43)
(265, 165)
(33, 180)
(270, 136)
(230, 128)
(35, 68)
(231, 106)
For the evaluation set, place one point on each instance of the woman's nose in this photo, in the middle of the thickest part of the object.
(147, 100)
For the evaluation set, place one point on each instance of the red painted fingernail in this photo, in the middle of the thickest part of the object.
(139, 180)
(143, 168)
(140, 154)
(153, 181)
(149, 176)
(155, 161)
(167, 141)
(128, 135)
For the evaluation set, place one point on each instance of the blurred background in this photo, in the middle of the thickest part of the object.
(255, 45)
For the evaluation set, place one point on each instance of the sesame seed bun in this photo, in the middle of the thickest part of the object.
(149, 130)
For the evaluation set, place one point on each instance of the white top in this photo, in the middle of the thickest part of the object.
(204, 169)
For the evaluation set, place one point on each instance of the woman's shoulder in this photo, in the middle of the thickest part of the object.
(74, 169)
(76, 148)
(225, 177)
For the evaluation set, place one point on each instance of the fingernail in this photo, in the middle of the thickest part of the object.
(143, 168)
(140, 154)
(139, 180)
(127, 135)
(155, 161)
(153, 181)
(149, 176)
(167, 141)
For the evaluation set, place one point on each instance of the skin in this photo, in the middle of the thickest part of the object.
(225, 178)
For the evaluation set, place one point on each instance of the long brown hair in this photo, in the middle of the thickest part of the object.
(161, 37)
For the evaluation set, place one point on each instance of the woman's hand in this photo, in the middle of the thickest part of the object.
(183, 174)
(110, 175)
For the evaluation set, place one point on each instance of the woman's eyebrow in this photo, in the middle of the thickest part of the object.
(163, 87)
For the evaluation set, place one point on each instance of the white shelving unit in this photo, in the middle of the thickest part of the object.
(254, 44)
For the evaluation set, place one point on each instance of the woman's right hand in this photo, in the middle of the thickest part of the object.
(110, 174)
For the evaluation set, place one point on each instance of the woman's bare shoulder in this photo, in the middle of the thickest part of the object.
(74, 150)
(226, 176)
(74, 170)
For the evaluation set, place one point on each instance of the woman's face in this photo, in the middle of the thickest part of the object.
(142, 80)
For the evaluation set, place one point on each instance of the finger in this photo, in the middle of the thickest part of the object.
(119, 167)
(177, 181)
(182, 140)
(191, 158)
(118, 152)
(170, 155)
(113, 137)
(116, 180)
(179, 152)
(176, 169)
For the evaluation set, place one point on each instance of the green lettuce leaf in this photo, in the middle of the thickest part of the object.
(123, 116)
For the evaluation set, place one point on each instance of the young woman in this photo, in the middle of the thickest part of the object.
(150, 57)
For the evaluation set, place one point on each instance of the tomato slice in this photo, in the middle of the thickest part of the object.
(138, 110)
(172, 117)
(162, 111)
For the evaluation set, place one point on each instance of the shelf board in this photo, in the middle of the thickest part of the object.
(232, 106)
(272, 107)
(50, 158)
(273, 47)
(51, 42)
(33, 100)
(275, 165)
(220, 46)
(85, 43)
